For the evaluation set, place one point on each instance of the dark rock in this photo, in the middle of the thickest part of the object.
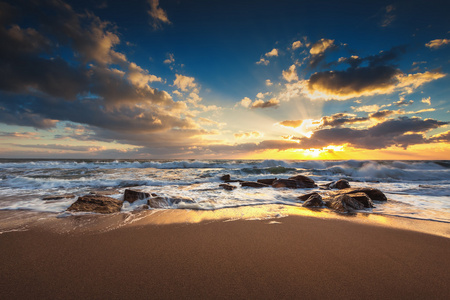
(225, 177)
(131, 196)
(98, 204)
(341, 184)
(303, 181)
(268, 181)
(154, 195)
(306, 196)
(253, 184)
(343, 203)
(315, 200)
(59, 197)
(363, 199)
(158, 202)
(227, 187)
(164, 202)
(373, 194)
(325, 186)
(285, 183)
(234, 180)
(145, 206)
(178, 199)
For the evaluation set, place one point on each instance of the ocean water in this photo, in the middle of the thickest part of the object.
(415, 189)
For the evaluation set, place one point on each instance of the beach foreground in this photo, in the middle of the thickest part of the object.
(291, 257)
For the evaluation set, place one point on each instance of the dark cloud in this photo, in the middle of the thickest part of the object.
(353, 82)
(443, 137)
(400, 132)
(382, 114)
(341, 119)
(97, 86)
(403, 102)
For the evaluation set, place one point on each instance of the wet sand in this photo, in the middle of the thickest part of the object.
(294, 257)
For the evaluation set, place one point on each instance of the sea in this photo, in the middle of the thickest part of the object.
(415, 189)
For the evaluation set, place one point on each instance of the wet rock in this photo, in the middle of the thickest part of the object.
(253, 184)
(306, 196)
(285, 183)
(227, 187)
(363, 199)
(158, 202)
(373, 194)
(341, 184)
(97, 204)
(178, 199)
(268, 181)
(344, 203)
(165, 202)
(104, 193)
(234, 180)
(303, 181)
(59, 197)
(315, 200)
(131, 196)
(225, 177)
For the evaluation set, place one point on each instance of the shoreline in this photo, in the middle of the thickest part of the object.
(288, 257)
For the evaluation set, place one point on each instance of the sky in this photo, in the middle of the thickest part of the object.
(224, 79)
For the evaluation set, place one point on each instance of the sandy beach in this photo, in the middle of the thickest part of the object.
(295, 257)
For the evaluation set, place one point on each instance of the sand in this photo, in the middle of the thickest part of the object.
(294, 257)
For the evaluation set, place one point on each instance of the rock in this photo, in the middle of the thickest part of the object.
(315, 200)
(59, 197)
(373, 194)
(225, 177)
(282, 183)
(343, 203)
(341, 184)
(178, 199)
(268, 181)
(227, 187)
(306, 196)
(253, 184)
(131, 196)
(303, 181)
(158, 202)
(104, 193)
(363, 199)
(164, 202)
(145, 206)
(234, 180)
(98, 204)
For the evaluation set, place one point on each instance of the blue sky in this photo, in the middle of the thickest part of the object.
(225, 79)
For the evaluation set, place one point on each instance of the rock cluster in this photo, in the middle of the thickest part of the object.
(97, 204)
(345, 200)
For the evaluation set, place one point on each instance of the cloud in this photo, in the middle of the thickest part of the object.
(289, 123)
(389, 16)
(366, 108)
(426, 100)
(290, 74)
(247, 135)
(403, 102)
(365, 81)
(20, 135)
(184, 82)
(157, 14)
(401, 132)
(443, 137)
(321, 46)
(383, 114)
(341, 119)
(296, 45)
(170, 59)
(263, 61)
(268, 82)
(273, 52)
(265, 104)
(437, 43)
(259, 103)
